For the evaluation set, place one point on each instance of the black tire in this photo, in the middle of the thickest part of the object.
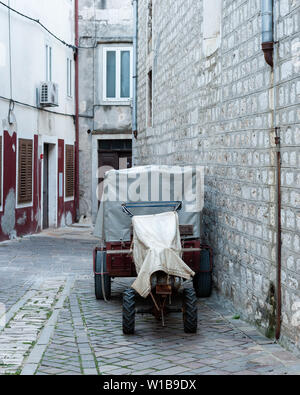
(128, 311)
(101, 265)
(202, 281)
(190, 318)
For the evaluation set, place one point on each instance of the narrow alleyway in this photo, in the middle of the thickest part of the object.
(54, 324)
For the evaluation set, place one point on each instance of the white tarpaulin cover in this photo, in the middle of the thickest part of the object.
(157, 247)
(149, 183)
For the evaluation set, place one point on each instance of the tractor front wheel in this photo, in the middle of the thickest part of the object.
(189, 310)
(128, 311)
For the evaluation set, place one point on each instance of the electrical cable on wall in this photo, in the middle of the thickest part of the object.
(11, 100)
(35, 107)
(39, 23)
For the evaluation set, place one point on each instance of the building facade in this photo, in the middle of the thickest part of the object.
(105, 94)
(37, 109)
(207, 96)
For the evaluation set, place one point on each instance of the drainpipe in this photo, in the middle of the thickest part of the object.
(134, 98)
(10, 51)
(267, 30)
(268, 12)
(278, 178)
(278, 193)
(76, 113)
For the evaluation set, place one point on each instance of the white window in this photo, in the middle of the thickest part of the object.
(150, 26)
(48, 63)
(117, 73)
(69, 77)
(212, 11)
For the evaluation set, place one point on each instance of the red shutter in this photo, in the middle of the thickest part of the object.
(69, 170)
(25, 171)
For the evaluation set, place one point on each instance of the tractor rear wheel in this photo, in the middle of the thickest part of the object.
(189, 310)
(202, 280)
(102, 281)
(128, 311)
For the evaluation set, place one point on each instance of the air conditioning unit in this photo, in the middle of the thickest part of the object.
(48, 94)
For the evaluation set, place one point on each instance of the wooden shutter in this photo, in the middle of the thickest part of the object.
(0, 168)
(69, 170)
(25, 171)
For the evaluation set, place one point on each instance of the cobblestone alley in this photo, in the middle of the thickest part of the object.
(54, 324)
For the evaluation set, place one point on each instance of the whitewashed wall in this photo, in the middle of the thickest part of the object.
(28, 61)
(28, 69)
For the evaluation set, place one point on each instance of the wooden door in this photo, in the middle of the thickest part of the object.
(106, 160)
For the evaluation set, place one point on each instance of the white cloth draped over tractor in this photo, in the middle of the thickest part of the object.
(157, 247)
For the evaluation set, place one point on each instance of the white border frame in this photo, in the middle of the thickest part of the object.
(54, 141)
(24, 205)
(69, 78)
(71, 198)
(149, 126)
(48, 61)
(118, 99)
(95, 139)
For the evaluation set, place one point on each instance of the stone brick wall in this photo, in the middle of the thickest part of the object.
(217, 111)
(288, 118)
(101, 23)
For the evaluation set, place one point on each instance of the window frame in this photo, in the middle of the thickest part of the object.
(69, 77)
(149, 100)
(149, 26)
(118, 50)
(24, 204)
(48, 61)
(212, 26)
(69, 198)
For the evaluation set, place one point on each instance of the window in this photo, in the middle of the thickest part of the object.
(150, 98)
(115, 145)
(0, 170)
(149, 30)
(69, 77)
(25, 171)
(211, 26)
(69, 171)
(117, 74)
(48, 63)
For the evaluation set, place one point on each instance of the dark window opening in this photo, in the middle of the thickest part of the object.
(115, 145)
(150, 98)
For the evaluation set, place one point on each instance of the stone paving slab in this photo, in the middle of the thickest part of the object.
(55, 327)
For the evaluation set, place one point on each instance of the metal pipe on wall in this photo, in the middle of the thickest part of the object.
(278, 176)
(278, 192)
(76, 112)
(10, 51)
(267, 30)
(268, 13)
(134, 83)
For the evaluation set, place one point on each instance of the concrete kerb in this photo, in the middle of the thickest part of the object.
(21, 302)
(38, 350)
